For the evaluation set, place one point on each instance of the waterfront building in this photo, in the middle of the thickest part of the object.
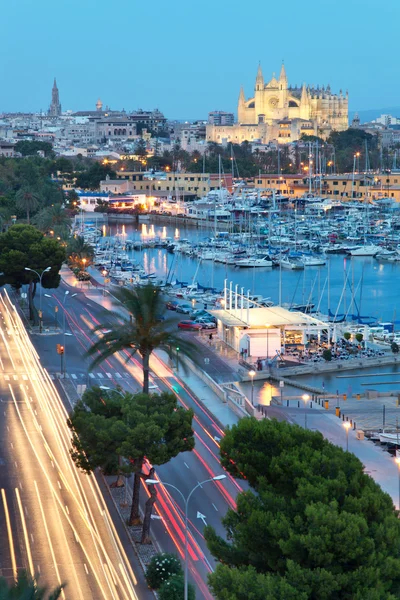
(280, 112)
(55, 106)
(198, 184)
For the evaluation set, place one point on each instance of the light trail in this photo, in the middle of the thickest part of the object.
(25, 531)
(9, 533)
(112, 563)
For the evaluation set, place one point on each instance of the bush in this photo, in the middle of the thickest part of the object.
(174, 588)
(327, 355)
(161, 568)
(395, 347)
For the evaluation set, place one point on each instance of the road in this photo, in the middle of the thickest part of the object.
(54, 520)
(186, 470)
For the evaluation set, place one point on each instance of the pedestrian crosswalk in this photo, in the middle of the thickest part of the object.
(10, 377)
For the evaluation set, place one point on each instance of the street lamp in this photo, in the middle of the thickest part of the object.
(252, 373)
(186, 504)
(306, 398)
(347, 426)
(398, 464)
(40, 292)
(66, 293)
(108, 389)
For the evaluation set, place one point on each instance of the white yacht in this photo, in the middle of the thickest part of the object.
(367, 250)
(313, 261)
(264, 261)
(287, 263)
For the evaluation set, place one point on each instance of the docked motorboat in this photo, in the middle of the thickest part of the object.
(389, 438)
(313, 261)
(288, 263)
(367, 250)
(264, 261)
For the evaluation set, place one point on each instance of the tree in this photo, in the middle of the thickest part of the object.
(158, 431)
(140, 148)
(347, 336)
(29, 148)
(26, 588)
(327, 355)
(359, 337)
(91, 178)
(173, 589)
(143, 333)
(25, 246)
(137, 428)
(315, 524)
(77, 250)
(53, 219)
(27, 199)
(161, 567)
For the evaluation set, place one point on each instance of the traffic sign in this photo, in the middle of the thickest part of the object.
(281, 384)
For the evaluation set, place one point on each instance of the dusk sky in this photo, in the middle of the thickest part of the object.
(187, 58)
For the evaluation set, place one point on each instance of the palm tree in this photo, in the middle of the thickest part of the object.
(27, 199)
(25, 587)
(78, 249)
(53, 218)
(143, 332)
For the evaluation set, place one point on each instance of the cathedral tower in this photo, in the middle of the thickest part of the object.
(55, 106)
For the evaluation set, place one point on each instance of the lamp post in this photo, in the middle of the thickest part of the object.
(398, 464)
(347, 426)
(40, 275)
(105, 273)
(267, 325)
(252, 373)
(306, 398)
(186, 504)
(66, 293)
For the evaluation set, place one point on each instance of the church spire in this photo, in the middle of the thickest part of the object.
(241, 96)
(259, 78)
(304, 94)
(282, 76)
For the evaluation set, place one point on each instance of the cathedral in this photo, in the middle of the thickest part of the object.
(55, 106)
(281, 113)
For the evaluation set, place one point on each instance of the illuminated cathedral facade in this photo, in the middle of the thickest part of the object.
(282, 113)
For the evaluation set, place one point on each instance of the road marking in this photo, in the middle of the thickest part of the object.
(74, 376)
(9, 533)
(86, 569)
(12, 445)
(100, 375)
(8, 429)
(32, 538)
(15, 377)
(109, 375)
(7, 377)
(118, 375)
(16, 464)
(200, 484)
(92, 375)
(59, 484)
(25, 377)
(67, 509)
(187, 466)
(52, 376)
(215, 507)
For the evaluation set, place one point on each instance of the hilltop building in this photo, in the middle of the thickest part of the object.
(55, 106)
(282, 113)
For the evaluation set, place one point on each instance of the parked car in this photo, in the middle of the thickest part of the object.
(189, 325)
(206, 324)
(200, 314)
(172, 304)
(185, 309)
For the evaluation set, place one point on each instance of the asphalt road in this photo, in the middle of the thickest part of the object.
(186, 470)
(54, 520)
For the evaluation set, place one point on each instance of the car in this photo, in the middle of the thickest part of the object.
(189, 325)
(185, 309)
(172, 304)
(200, 314)
(206, 324)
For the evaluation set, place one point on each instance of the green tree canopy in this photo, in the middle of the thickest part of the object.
(29, 148)
(136, 427)
(53, 218)
(317, 524)
(90, 179)
(25, 246)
